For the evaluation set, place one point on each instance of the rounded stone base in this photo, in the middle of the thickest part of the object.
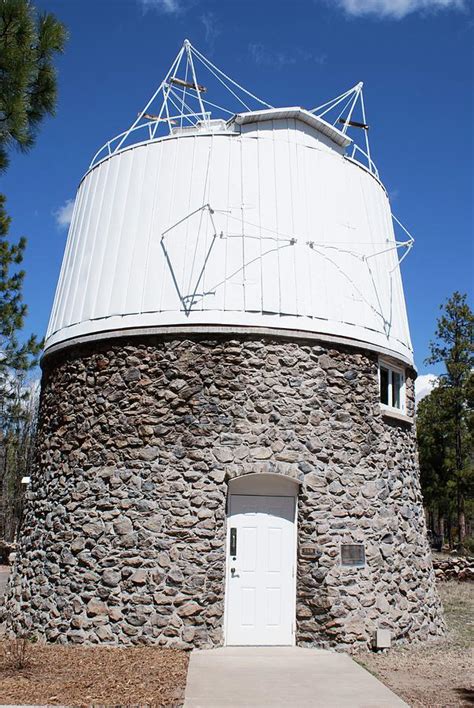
(123, 539)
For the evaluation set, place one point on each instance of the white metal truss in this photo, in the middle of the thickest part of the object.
(340, 111)
(182, 102)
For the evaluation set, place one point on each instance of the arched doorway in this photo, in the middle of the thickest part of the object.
(261, 560)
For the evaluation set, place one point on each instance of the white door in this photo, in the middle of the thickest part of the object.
(260, 570)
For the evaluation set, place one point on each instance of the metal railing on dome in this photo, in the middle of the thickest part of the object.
(366, 161)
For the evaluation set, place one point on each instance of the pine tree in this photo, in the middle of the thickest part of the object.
(435, 437)
(28, 92)
(28, 85)
(16, 360)
(454, 348)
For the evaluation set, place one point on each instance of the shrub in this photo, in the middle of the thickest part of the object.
(17, 650)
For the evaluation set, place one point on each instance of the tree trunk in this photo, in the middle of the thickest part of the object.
(461, 517)
(441, 528)
(461, 524)
(450, 533)
(461, 521)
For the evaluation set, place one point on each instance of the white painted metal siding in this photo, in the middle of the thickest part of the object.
(299, 238)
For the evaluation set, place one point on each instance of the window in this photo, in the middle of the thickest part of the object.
(392, 387)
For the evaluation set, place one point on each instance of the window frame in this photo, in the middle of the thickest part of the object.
(392, 369)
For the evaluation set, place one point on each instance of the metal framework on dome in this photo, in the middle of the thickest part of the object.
(341, 111)
(181, 102)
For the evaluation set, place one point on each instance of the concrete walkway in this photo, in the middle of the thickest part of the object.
(282, 677)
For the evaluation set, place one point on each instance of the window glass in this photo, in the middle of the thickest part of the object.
(392, 387)
(396, 388)
(384, 376)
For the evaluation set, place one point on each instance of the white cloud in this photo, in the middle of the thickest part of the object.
(167, 7)
(424, 384)
(212, 28)
(268, 57)
(63, 215)
(397, 9)
(261, 55)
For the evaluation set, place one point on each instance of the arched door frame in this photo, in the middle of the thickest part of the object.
(262, 484)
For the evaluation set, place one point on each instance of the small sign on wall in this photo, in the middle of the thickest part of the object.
(309, 551)
(353, 555)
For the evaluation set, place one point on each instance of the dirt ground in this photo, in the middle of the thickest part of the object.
(77, 676)
(439, 674)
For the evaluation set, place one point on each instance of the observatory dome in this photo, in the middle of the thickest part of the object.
(263, 220)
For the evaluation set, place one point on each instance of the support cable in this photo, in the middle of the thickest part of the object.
(209, 64)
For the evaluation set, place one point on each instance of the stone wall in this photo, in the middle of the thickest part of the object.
(460, 568)
(124, 533)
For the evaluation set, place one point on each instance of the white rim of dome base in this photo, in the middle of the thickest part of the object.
(227, 330)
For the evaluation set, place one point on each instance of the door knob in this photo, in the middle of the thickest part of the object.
(232, 571)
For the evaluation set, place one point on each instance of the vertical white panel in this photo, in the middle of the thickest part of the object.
(318, 233)
(248, 608)
(128, 233)
(160, 291)
(269, 225)
(358, 244)
(63, 283)
(111, 222)
(234, 286)
(188, 169)
(124, 200)
(299, 220)
(199, 244)
(377, 291)
(93, 238)
(274, 541)
(247, 549)
(214, 275)
(202, 252)
(78, 262)
(273, 607)
(347, 252)
(252, 233)
(143, 230)
(285, 205)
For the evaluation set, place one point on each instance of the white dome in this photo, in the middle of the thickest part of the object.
(258, 222)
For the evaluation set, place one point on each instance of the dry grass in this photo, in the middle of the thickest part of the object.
(439, 674)
(79, 676)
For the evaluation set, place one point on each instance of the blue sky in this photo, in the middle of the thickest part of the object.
(414, 56)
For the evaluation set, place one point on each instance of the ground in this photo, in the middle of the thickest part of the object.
(439, 674)
(76, 676)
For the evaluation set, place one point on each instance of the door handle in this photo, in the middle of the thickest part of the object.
(232, 573)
